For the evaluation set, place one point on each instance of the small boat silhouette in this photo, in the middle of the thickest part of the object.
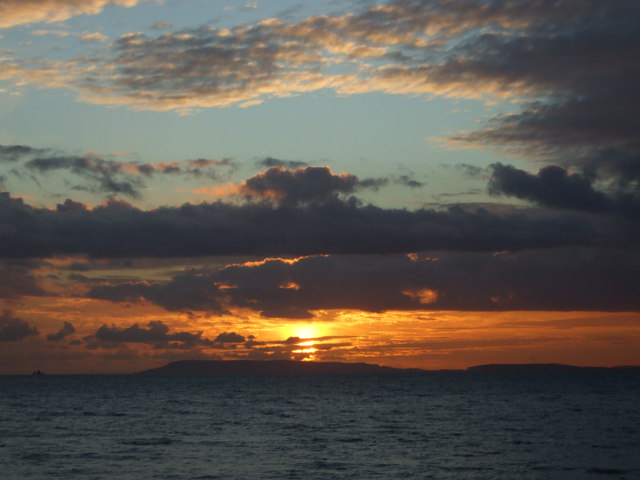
(38, 372)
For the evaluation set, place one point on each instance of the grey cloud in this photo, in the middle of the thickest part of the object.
(12, 153)
(16, 279)
(98, 174)
(304, 185)
(559, 279)
(229, 337)
(13, 329)
(269, 162)
(101, 174)
(580, 75)
(408, 181)
(189, 291)
(554, 187)
(263, 229)
(66, 330)
(156, 332)
(428, 41)
(571, 63)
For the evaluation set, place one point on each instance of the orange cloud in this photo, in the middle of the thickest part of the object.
(51, 11)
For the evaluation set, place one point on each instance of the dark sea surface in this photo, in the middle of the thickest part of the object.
(442, 425)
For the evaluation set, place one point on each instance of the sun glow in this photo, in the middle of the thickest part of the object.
(308, 353)
(305, 331)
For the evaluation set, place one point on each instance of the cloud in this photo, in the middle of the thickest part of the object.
(459, 48)
(269, 162)
(408, 181)
(554, 187)
(159, 335)
(14, 13)
(156, 332)
(161, 25)
(303, 185)
(67, 330)
(16, 279)
(229, 337)
(570, 65)
(94, 37)
(12, 153)
(189, 291)
(102, 174)
(559, 279)
(263, 229)
(13, 329)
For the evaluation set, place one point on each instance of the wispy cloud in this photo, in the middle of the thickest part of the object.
(14, 13)
(107, 174)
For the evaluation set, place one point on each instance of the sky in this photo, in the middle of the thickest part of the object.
(413, 183)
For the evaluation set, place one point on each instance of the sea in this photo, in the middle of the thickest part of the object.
(432, 425)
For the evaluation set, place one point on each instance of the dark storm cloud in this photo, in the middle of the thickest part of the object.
(560, 279)
(554, 187)
(304, 185)
(117, 229)
(13, 329)
(66, 330)
(275, 162)
(106, 175)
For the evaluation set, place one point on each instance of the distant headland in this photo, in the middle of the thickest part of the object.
(292, 367)
(280, 367)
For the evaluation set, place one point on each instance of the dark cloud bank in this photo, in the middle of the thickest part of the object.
(561, 279)
(118, 229)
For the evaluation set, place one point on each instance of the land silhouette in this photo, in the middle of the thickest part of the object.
(289, 367)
